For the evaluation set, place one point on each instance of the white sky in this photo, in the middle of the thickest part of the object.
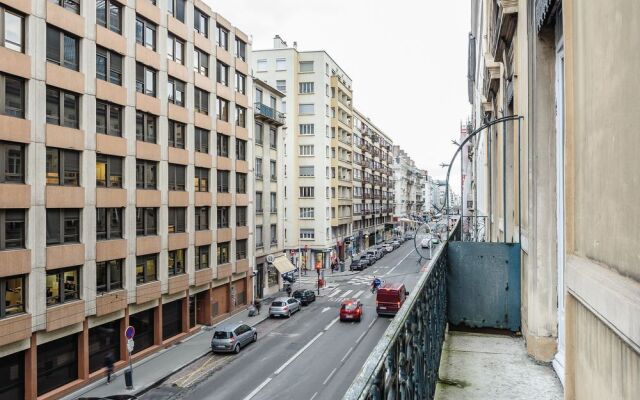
(407, 60)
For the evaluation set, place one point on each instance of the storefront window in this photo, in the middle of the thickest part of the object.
(104, 339)
(142, 322)
(57, 363)
(171, 319)
(272, 276)
(12, 376)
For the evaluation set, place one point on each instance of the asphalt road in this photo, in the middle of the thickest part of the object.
(312, 355)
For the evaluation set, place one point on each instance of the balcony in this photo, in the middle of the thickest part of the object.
(263, 112)
(504, 27)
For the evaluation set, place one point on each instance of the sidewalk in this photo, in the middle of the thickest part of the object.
(153, 369)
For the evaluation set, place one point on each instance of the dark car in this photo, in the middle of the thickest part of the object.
(305, 297)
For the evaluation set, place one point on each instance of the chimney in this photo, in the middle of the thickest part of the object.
(278, 43)
(295, 45)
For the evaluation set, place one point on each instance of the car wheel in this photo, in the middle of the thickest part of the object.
(255, 337)
(289, 314)
(236, 349)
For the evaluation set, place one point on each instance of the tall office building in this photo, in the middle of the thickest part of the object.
(125, 174)
(319, 150)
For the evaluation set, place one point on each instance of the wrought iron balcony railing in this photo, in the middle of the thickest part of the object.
(264, 112)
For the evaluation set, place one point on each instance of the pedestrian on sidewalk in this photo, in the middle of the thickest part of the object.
(257, 305)
(108, 363)
(288, 289)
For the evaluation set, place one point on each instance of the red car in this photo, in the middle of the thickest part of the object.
(351, 310)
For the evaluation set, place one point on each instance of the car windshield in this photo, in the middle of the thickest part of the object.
(277, 304)
(222, 335)
(298, 293)
(349, 306)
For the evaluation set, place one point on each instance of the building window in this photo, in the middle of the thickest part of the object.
(223, 253)
(108, 66)
(307, 192)
(57, 363)
(109, 15)
(222, 109)
(306, 150)
(12, 162)
(281, 64)
(259, 236)
(177, 133)
(274, 234)
(200, 62)
(241, 216)
(12, 95)
(241, 183)
(175, 8)
(258, 168)
(241, 49)
(63, 108)
(176, 264)
(109, 276)
(145, 80)
(62, 48)
(146, 268)
(307, 234)
(222, 37)
(146, 221)
(202, 256)
(109, 223)
(258, 201)
(273, 170)
(177, 219)
(259, 133)
(175, 49)
(262, 65)
(108, 118)
(201, 101)
(146, 33)
(201, 180)
(307, 213)
(307, 170)
(306, 109)
(273, 138)
(12, 295)
(241, 83)
(241, 116)
(223, 217)
(241, 149)
(146, 127)
(12, 229)
(241, 249)
(202, 218)
(175, 90)
(201, 140)
(306, 87)
(63, 167)
(103, 339)
(63, 285)
(146, 174)
(200, 22)
(274, 203)
(222, 73)
(306, 66)
(258, 98)
(223, 145)
(177, 177)
(281, 85)
(12, 32)
(63, 226)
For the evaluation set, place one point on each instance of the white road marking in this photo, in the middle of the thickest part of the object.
(326, 309)
(326, 328)
(329, 377)
(259, 388)
(347, 354)
(374, 272)
(314, 396)
(357, 295)
(345, 294)
(289, 361)
(360, 337)
(372, 322)
(400, 262)
(334, 293)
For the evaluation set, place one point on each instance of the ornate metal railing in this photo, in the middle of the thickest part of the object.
(404, 364)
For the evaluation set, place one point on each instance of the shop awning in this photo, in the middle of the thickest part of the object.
(283, 265)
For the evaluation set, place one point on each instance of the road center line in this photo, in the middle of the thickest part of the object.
(329, 377)
(289, 361)
(326, 309)
(360, 337)
(374, 272)
(326, 328)
(347, 354)
(400, 262)
(314, 396)
(259, 388)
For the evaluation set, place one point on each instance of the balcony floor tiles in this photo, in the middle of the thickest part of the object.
(483, 366)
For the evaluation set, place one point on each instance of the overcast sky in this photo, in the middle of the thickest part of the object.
(407, 60)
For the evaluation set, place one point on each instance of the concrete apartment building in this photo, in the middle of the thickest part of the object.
(319, 150)
(406, 176)
(124, 186)
(269, 134)
(373, 187)
(548, 61)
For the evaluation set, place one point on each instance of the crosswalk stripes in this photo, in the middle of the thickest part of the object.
(361, 280)
(334, 293)
(358, 294)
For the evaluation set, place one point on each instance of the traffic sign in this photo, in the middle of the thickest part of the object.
(130, 345)
(130, 332)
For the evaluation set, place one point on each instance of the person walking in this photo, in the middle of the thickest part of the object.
(288, 290)
(257, 304)
(108, 363)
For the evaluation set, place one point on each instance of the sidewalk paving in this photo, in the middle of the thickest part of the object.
(153, 369)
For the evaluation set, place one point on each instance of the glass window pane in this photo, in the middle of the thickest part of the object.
(72, 168)
(149, 37)
(53, 226)
(14, 97)
(53, 288)
(101, 117)
(71, 112)
(116, 68)
(70, 52)
(71, 282)
(150, 82)
(53, 106)
(12, 31)
(115, 275)
(14, 295)
(101, 277)
(114, 17)
(71, 227)
(101, 66)
(101, 12)
(101, 171)
(115, 117)
(53, 45)
(53, 167)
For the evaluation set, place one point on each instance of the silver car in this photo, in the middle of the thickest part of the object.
(284, 307)
(232, 337)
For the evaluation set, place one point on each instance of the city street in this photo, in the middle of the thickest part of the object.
(312, 355)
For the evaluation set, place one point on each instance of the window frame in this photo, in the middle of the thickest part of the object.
(172, 48)
(201, 175)
(22, 306)
(142, 84)
(110, 284)
(110, 56)
(241, 249)
(5, 222)
(177, 177)
(64, 214)
(241, 149)
(3, 39)
(109, 232)
(241, 215)
(202, 218)
(241, 83)
(146, 25)
(177, 219)
(177, 268)
(241, 49)
(109, 108)
(174, 138)
(146, 229)
(4, 109)
(221, 185)
(241, 116)
(198, 65)
(221, 32)
(108, 161)
(148, 167)
(201, 100)
(222, 73)
(62, 285)
(5, 162)
(222, 145)
(199, 253)
(62, 47)
(174, 7)
(201, 146)
(176, 87)
(63, 158)
(197, 26)
(108, 16)
(147, 120)
(143, 260)
(61, 119)
(222, 256)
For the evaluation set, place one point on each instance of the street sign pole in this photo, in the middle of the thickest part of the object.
(129, 333)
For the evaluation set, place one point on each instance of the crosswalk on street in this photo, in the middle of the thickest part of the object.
(338, 295)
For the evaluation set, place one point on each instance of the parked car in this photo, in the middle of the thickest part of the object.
(396, 244)
(351, 310)
(390, 297)
(376, 253)
(284, 307)
(389, 248)
(371, 257)
(304, 296)
(409, 235)
(232, 337)
(426, 243)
